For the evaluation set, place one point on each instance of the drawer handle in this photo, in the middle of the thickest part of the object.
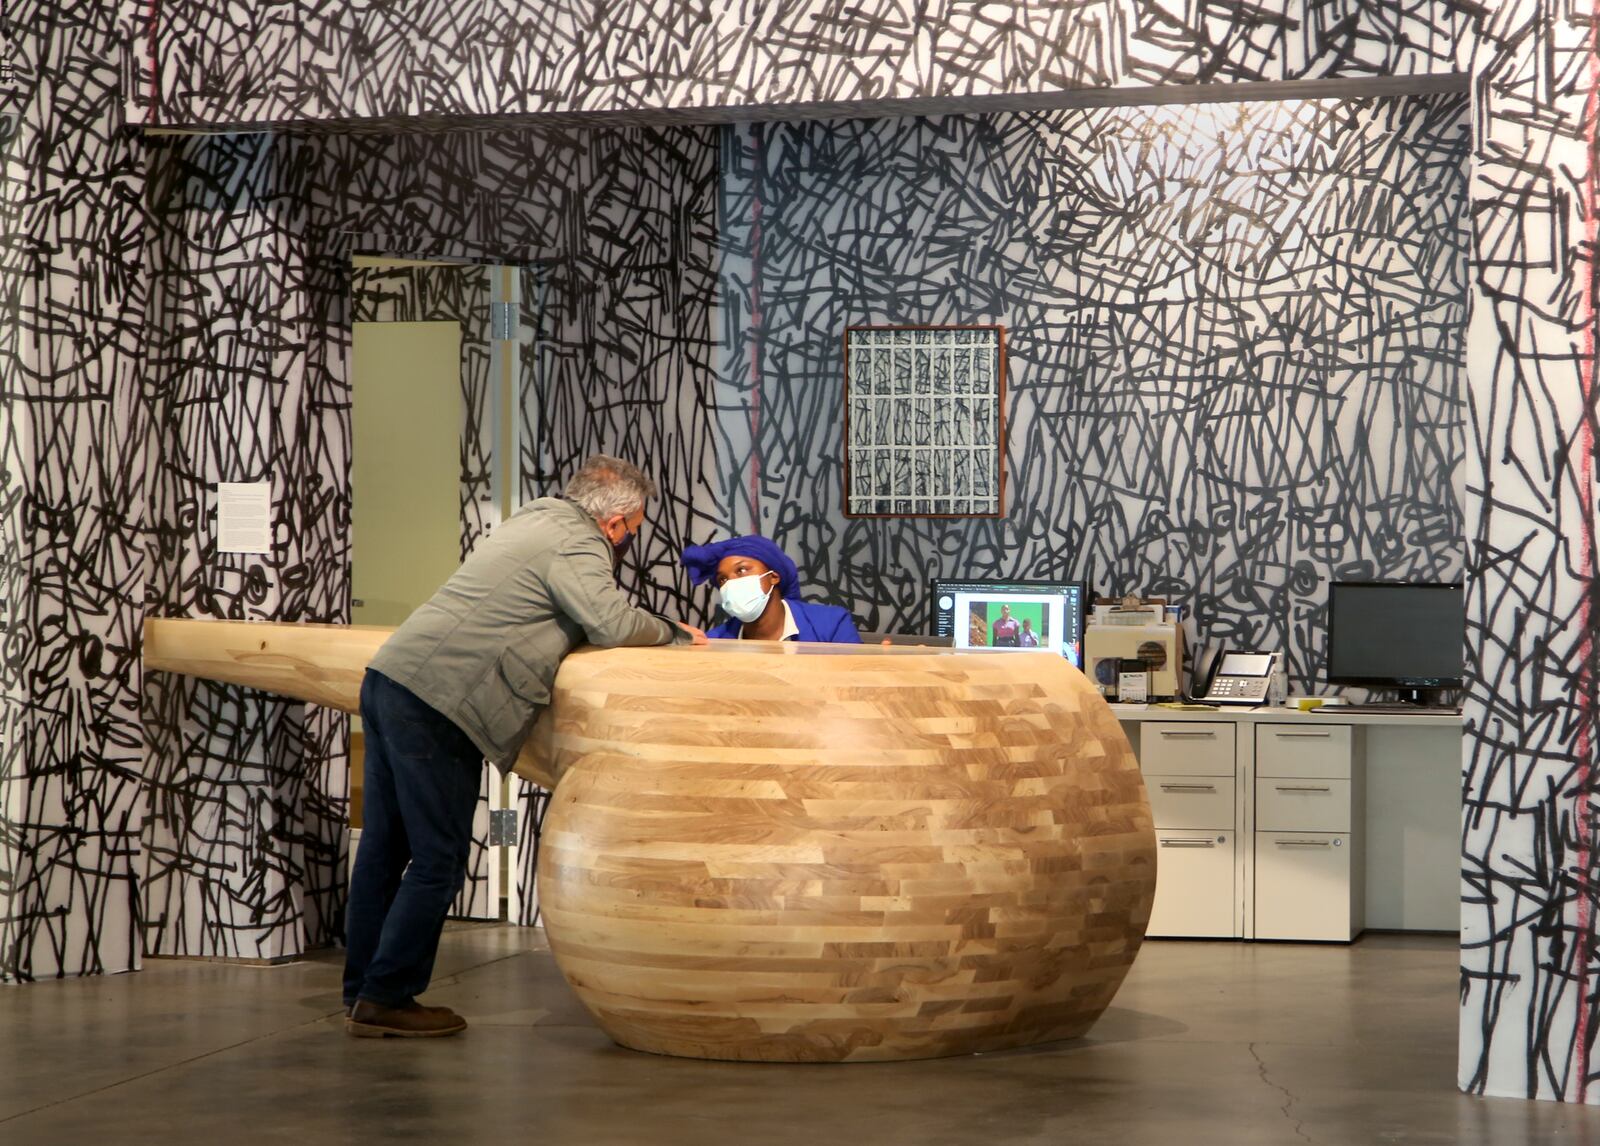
(1302, 788)
(1188, 787)
(1303, 843)
(1210, 735)
(1187, 844)
(1323, 735)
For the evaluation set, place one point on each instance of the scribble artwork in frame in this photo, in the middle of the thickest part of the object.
(924, 421)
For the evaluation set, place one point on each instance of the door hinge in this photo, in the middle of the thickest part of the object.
(502, 321)
(502, 827)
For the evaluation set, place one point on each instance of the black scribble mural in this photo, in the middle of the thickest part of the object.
(246, 376)
(73, 468)
(1529, 909)
(618, 341)
(17, 947)
(214, 62)
(224, 869)
(1237, 371)
(1234, 336)
(246, 795)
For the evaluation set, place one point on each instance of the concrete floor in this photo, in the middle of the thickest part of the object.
(1220, 1043)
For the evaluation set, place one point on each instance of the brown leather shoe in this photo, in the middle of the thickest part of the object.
(350, 1007)
(368, 1020)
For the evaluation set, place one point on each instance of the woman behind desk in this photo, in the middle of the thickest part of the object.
(759, 589)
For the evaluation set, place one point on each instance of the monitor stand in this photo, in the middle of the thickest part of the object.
(1425, 697)
(1418, 701)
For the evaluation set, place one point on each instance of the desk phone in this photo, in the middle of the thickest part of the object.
(1240, 678)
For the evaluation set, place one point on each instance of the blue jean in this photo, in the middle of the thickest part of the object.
(422, 780)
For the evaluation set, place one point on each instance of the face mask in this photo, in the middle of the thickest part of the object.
(619, 549)
(743, 599)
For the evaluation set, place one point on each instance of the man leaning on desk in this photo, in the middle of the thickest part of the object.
(462, 681)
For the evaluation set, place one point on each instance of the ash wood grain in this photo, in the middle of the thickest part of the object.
(805, 854)
(320, 664)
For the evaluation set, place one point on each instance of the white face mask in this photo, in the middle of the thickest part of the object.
(743, 599)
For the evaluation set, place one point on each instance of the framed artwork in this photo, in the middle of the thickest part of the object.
(924, 421)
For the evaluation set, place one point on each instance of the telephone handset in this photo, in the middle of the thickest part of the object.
(1240, 677)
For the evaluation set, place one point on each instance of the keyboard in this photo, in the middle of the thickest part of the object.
(1396, 709)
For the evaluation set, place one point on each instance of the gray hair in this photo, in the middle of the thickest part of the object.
(606, 486)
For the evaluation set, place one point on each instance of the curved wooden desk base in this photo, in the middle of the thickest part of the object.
(805, 853)
(772, 854)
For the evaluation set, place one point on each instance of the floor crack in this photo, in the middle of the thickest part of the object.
(1288, 1096)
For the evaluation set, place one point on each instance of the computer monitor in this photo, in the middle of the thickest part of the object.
(1397, 634)
(1021, 615)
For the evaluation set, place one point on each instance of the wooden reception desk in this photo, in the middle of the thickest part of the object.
(320, 664)
(806, 852)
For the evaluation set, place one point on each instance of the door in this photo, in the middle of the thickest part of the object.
(406, 422)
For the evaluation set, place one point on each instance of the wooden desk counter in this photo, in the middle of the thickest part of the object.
(812, 852)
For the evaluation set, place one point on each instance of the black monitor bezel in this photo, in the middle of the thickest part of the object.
(1408, 682)
(1020, 586)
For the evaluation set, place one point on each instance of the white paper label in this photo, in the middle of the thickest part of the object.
(1133, 686)
(244, 517)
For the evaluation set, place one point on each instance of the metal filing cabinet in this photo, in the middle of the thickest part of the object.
(1189, 769)
(1309, 809)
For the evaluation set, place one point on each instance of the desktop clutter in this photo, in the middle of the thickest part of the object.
(1133, 652)
(1404, 638)
(1397, 636)
(1133, 648)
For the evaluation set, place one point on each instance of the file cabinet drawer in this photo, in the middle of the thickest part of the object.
(1191, 801)
(1322, 751)
(1303, 887)
(1194, 885)
(1297, 804)
(1190, 748)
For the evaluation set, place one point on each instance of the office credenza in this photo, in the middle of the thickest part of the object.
(1279, 824)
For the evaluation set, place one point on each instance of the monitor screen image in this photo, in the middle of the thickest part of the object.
(1396, 634)
(1022, 615)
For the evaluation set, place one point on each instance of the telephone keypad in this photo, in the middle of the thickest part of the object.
(1239, 688)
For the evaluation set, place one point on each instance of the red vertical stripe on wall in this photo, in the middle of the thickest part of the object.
(1582, 827)
(755, 329)
(153, 32)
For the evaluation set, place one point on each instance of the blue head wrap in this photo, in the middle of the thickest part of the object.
(701, 561)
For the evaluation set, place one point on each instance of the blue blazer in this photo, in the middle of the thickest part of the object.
(815, 622)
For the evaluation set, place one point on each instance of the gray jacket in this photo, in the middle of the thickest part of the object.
(485, 648)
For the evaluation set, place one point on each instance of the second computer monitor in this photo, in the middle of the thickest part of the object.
(1409, 636)
(995, 614)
